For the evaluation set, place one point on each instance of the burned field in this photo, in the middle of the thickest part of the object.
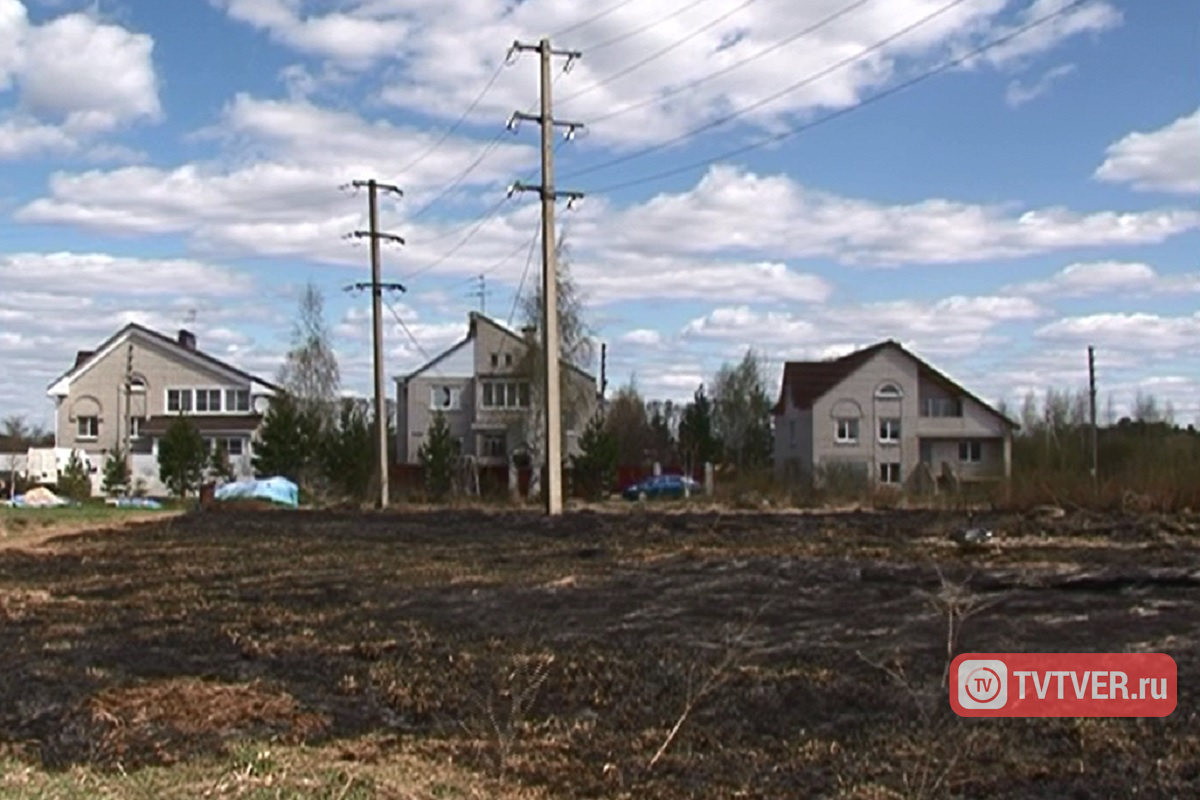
(601, 655)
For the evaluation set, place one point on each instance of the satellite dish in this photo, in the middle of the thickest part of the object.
(261, 404)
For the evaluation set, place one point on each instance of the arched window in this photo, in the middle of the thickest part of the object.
(137, 383)
(889, 390)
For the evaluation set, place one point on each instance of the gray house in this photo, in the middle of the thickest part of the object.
(887, 414)
(137, 381)
(486, 399)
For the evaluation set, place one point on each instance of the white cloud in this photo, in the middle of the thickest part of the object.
(731, 209)
(438, 54)
(75, 77)
(644, 337)
(1018, 93)
(1106, 277)
(954, 326)
(1166, 160)
(1088, 18)
(1157, 337)
(356, 40)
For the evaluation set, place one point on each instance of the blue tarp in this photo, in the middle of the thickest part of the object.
(135, 502)
(277, 490)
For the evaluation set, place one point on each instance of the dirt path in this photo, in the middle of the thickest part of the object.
(26, 531)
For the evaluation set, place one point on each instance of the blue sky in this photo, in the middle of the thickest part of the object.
(179, 163)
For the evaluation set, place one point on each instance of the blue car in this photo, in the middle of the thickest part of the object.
(673, 486)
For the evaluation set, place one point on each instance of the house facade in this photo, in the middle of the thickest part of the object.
(480, 387)
(131, 387)
(885, 414)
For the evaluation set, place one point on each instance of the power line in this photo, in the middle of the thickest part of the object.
(408, 332)
(524, 274)
(943, 67)
(643, 28)
(458, 123)
(658, 53)
(733, 115)
(594, 18)
(683, 87)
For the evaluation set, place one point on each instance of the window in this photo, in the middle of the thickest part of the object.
(87, 428)
(889, 430)
(494, 445)
(941, 407)
(970, 452)
(889, 390)
(847, 431)
(889, 472)
(137, 384)
(179, 401)
(505, 394)
(208, 401)
(495, 360)
(237, 400)
(444, 398)
(235, 446)
(508, 359)
(135, 427)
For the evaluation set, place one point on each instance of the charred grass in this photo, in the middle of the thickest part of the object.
(640, 654)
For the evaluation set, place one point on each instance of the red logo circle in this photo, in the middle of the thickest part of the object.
(975, 697)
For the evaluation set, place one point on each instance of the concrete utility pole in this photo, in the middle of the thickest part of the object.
(550, 345)
(1092, 408)
(129, 415)
(377, 286)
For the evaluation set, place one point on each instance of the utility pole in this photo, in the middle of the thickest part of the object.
(550, 334)
(1092, 408)
(481, 291)
(129, 414)
(603, 376)
(377, 287)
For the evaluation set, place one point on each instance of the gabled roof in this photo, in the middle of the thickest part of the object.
(85, 359)
(806, 382)
(472, 330)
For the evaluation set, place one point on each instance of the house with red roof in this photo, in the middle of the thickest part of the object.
(886, 415)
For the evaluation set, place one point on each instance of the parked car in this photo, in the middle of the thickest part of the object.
(674, 486)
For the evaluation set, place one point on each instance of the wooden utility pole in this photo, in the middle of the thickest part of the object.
(552, 491)
(377, 286)
(603, 376)
(1092, 408)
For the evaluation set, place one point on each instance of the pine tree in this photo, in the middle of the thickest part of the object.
(288, 443)
(116, 474)
(182, 457)
(347, 452)
(697, 441)
(219, 466)
(595, 467)
(74, 482)
(437, 456)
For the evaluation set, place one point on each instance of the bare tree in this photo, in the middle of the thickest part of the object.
(743, 410)
(311, 374)
(576, 349)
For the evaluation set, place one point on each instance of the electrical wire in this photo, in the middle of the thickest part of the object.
(594, 18)
(943, 67)
(592, 48)
(683, 87)
(658, 53)
(733, 115)
(457, 123)
(524, 274)
(408, 331)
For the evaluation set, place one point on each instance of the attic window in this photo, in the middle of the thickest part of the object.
(137, 384)
(889, 390)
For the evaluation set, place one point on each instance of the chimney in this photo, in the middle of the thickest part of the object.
(529, 332)
(187, 339)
